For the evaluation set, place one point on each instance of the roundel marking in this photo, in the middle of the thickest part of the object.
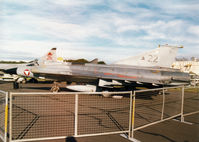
(26, 72)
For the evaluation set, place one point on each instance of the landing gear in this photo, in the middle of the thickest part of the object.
(130, 88)
(17, 82)
(55, 88)
(15, 85)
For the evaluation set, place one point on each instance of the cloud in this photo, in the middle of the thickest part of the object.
(80, 3)
(194, 30)
(96, 28)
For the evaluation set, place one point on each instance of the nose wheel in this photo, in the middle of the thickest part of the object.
(15, 85)
(17, 82)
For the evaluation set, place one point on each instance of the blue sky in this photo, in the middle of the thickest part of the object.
(106, 29)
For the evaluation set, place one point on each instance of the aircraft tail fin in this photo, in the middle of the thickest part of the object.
(94, 61)
(49, 57)
(163, 56)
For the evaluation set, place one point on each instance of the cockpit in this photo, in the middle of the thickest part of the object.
(33, 63)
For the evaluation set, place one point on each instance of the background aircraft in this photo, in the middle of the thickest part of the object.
(191, 67)
(187, 66)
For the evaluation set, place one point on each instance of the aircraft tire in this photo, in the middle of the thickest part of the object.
(15, 85)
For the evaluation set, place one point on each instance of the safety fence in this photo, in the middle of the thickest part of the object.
(3, 115)
(191, 101)
(44, 116)
(157, 105)
(154, 106)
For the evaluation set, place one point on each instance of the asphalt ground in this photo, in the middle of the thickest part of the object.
(93, 115)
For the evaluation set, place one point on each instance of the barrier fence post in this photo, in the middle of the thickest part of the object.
(130, 114)
(163, 103)
(10, 121)
(182, 105)
(133, 115)
(76, 114)
(6, 116)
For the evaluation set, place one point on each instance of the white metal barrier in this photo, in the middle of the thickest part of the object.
(3, 115)
(44, 116)
(191, 101)
(163, 104)
(153, 106)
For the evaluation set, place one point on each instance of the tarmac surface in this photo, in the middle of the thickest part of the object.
(97, 114)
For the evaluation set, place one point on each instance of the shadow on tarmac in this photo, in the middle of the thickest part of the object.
(70, 139)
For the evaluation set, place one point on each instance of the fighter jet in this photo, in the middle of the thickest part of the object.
(149, 69)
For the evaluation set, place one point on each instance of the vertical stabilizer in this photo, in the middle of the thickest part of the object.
(49, 57)
(163, 56)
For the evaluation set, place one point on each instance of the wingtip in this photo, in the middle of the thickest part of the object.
(167, 45)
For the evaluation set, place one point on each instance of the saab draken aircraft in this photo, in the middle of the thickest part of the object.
(150, 69)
